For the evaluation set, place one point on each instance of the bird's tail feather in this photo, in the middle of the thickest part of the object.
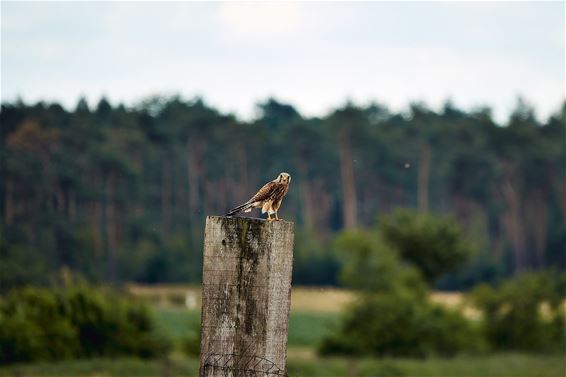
(239, 208)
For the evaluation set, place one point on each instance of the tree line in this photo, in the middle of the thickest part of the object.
(120, 193)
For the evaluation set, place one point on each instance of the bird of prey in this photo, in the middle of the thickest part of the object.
(268, 198)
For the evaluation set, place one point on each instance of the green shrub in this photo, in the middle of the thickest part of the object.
(393, 315)
(524, 313)
(32, 327)
(370, 266)
(401, 325)
(191, 343)
(432, 243)
(40, 324)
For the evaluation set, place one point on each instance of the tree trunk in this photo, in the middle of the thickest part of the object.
(193, 173)
(165, 195)
(321, 203)
(243, 185)
(536, 215)
(9, 202)
(111, 226)
(424, 177)
(349, 199)
(306, 200)
(512, 221)
(72, 204)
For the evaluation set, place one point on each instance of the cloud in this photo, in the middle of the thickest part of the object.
(314, 55)
(260, 20)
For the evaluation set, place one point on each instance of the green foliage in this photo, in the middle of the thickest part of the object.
(525, 313)
(371, 266)
(191, 344)
(33, 327)
(434, 244)
(401, 325)
(315, 264)
(40, 324)
(19, 265)
(393, 315)
(119, 194)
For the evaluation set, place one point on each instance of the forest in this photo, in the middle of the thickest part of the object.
(120, 193)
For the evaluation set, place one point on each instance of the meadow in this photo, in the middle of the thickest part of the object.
(315, 312)
(504, 365)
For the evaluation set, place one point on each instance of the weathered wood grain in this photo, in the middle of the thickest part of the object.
(247, 265)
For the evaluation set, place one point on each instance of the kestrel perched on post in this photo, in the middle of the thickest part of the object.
(268, 198)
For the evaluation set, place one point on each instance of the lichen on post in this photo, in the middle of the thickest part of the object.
(246, 296)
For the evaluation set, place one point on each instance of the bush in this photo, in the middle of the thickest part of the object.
(524, 313)
(370, 266)
(401, 325)
(191, 343)
(434, 244)
(32, 327)
(393, 315)
(40, 324)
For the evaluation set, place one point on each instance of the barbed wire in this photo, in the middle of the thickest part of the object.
(241, 365)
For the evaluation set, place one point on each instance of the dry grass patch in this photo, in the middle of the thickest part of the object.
(321, 299)
(303, 299)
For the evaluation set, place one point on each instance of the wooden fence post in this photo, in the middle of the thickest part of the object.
(246, 294)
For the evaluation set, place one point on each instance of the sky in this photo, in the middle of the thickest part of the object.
(313, 55)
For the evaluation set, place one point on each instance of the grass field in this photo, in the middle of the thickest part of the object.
(305, 328)
(506, 365)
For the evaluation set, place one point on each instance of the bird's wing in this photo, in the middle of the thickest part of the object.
(270, 191)
(266, 192)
